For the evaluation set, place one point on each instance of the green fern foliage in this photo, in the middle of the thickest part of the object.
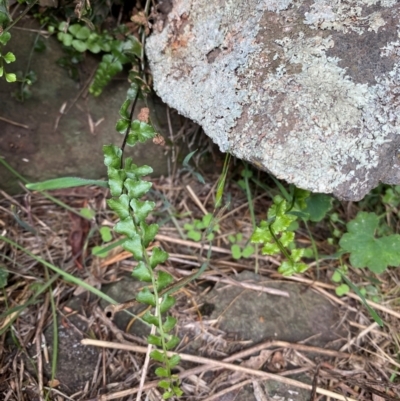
(128, 186)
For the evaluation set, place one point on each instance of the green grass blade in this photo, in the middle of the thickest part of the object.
(62, 273)
(221, 181)
(373, 313)
(64, 182)
(8, 167)
(46, 195)
(282, 189)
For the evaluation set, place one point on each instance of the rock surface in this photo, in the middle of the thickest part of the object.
(53, 144)
(307, 90)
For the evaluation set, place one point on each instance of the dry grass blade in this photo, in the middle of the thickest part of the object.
(213, 363)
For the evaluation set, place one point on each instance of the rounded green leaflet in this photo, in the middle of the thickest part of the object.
(236, 251)
(9, 58)
(11, 77)
(342, 289)
(4, 38)
(79, 45)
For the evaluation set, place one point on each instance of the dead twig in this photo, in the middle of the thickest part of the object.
(213, 363)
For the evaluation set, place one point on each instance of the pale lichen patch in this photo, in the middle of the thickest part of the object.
(308, 90)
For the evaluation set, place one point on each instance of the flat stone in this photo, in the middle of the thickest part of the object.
(256, 316)
(259, 317)
(307, 90)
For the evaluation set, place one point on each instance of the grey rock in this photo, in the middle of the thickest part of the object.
(304, 315)
(307, 90)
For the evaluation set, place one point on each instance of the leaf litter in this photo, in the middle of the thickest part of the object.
(365, 369)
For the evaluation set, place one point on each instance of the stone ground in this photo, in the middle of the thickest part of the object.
(51, 143)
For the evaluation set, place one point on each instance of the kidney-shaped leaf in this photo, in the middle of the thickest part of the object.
(365, 249)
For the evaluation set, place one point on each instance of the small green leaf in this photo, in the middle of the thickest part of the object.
(132, 47)
(169, 324)
(74, 29)
(270, 249)
(87, 213)
(172, 343)
(141, 272)
(132, 91)
(154, 340)
(136, 172)
(210, 237)
(93, 47)
(308, 253)
(9, 58)
(150, 319)
(63, 26)
(123, 111)
(11, 77)
(158, 256)
(1, 71)
(145, 296)
(287, 268)
(248, 251)
(287, 238)
(137, 189)
(282, 222)
(122, 125)
(141, 209)
(174, 360)
(188, 226)
(342, 289)
(167, 303)
(134, 246)
(148, 233)
(261, 235)
(231, 238)
(336, 277)
(65, 38)
(297, 254)
(236, 251)
(194, 235)
(207, 219)
(140, 131)
(112, 156)
(120, 206)
(317, 206)
(105, 233)
(79, 46)
(300, 267)
(83, 33)
(157, 356)
(161, 372)
(4, 38)
(164, 279)
(126, 227)
(164, 384)
(116, 178)
(246, 173)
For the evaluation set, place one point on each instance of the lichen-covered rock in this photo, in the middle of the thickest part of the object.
(308, 90)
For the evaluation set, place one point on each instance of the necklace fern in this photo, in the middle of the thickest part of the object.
(127, 187)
